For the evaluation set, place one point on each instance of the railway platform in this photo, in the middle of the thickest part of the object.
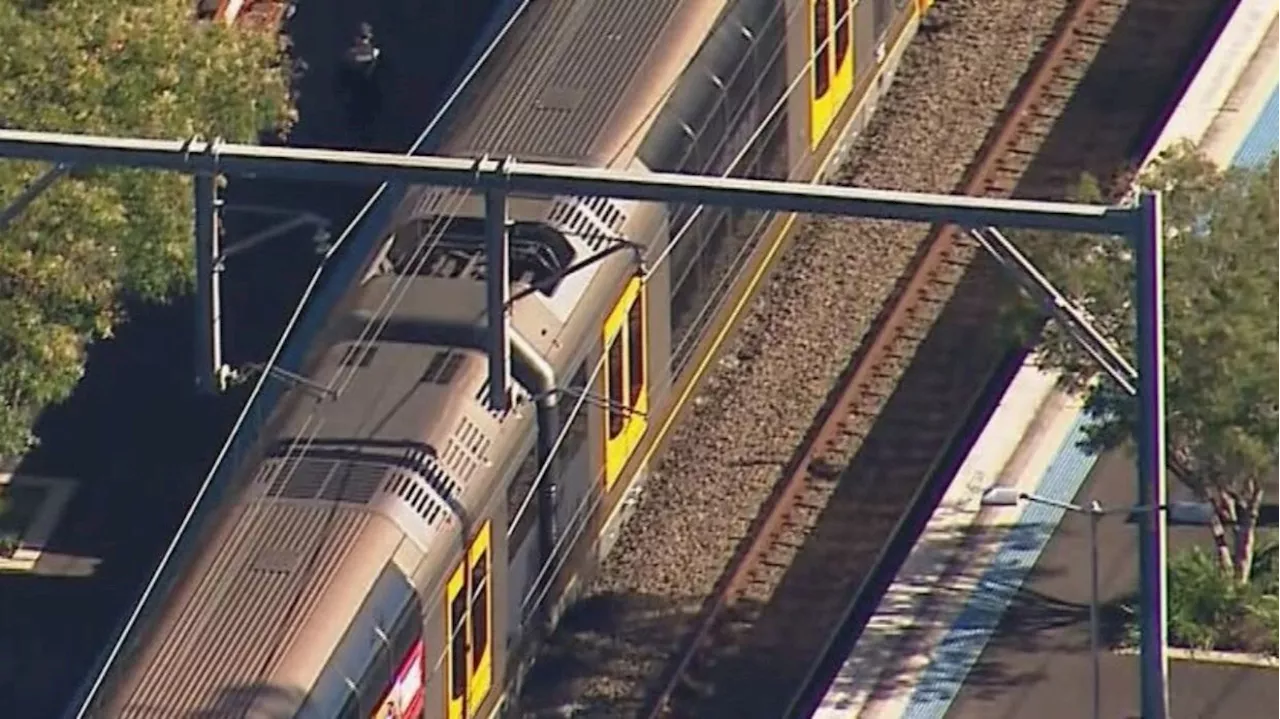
(974, 624)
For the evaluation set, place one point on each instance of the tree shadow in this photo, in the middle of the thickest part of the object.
(1112, 118)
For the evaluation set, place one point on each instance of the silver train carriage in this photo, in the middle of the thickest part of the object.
(383, 554)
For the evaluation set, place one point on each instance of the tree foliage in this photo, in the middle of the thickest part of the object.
(99, 236)
(1220, 283)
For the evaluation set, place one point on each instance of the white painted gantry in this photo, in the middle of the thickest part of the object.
(1139, 221)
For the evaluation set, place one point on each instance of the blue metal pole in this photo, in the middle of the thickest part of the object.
(1152, 487)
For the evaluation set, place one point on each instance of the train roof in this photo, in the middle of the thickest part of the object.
(579, 82)
(261, 606)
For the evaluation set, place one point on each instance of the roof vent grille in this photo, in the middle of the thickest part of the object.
(596, 220)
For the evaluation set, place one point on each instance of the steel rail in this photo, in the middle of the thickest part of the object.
(998, 167)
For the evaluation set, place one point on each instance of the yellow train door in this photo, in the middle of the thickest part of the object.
(831, 74)
(626, 373)
(456, 621)
(469, 617)
(481, 618)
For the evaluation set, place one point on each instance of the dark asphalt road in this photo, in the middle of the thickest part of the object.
(1038, 663)
(134, 435)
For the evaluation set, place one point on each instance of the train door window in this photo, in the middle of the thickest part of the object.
(625, 389)
(480, 619)
(479, 614)
(469, 600)
(616, 389)
(636, 352)
(844, 31)
(821, 48)
(457, 622)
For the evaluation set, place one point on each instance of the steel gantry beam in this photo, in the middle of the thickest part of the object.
(194, 156)
(1138, 221)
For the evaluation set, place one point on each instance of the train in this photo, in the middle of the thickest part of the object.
(395, 547)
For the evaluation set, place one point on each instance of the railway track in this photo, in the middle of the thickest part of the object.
(824, 530)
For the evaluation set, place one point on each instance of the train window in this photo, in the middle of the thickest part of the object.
(519, 489)
(576, 432)
(479, 609)
(636, 351)
(458, 646)
(844, 36)
(616, 392)
(821, 48)
(744, 107)
(480, 668)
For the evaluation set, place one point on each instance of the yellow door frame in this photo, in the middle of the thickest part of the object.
(618, 447)
(480, 663)
(824, 109)
(477, 661)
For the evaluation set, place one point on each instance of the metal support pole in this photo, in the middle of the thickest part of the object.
(497, 248)
(31, 192)
(1073, 321)
(209, 375)
(1095, 641)
(1152, 487)
(300, 219)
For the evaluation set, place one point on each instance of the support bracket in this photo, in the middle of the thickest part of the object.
(1073, 320)
(213, 375)
(293, 379)
(294, 219)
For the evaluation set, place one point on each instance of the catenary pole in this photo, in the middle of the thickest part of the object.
(1152, 487)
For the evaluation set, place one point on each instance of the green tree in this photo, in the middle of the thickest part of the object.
(100, 236)
(1220, 232)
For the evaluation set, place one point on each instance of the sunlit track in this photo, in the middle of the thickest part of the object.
(824, 530)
